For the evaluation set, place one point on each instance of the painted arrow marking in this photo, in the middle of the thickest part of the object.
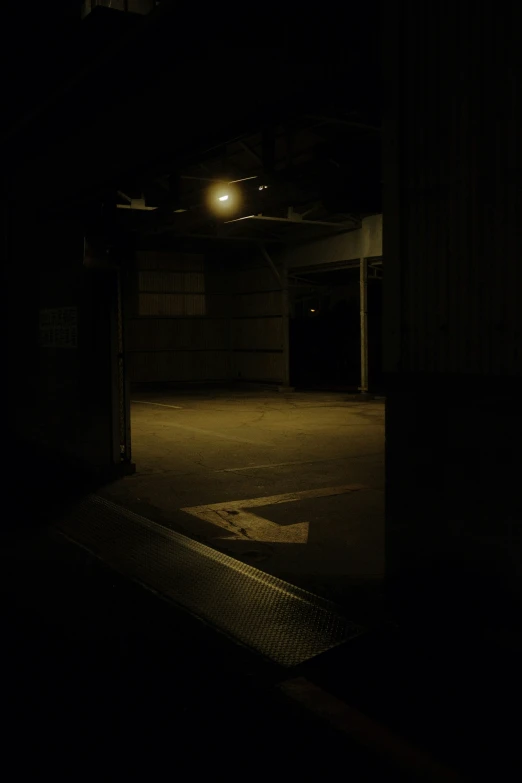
(241, 523)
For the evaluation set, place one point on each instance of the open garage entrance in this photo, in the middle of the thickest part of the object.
(252, 325)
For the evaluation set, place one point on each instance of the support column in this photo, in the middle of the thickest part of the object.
(111, 284)
(363, 295)
(285, 326)
(124, 383)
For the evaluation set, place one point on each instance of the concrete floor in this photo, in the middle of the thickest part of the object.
(290, 483)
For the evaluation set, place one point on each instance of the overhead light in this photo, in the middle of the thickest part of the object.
(312, 309)
(177, 211)
(223, 198)
(263, 187)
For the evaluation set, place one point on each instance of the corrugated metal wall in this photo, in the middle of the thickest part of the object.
(453, 304)
(257, 325)
(452, 224)
(179, 325)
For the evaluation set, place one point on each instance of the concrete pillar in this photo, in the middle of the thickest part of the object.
(285, 326)
(363, 296)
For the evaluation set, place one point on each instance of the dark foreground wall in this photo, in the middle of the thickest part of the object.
(453, 301)
(60, 358)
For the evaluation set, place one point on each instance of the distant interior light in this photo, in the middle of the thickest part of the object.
(312, 310)
(263, 187)
(223, 198)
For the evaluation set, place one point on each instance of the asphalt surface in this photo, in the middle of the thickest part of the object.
(201, 449)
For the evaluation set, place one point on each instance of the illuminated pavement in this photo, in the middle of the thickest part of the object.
(290, 483)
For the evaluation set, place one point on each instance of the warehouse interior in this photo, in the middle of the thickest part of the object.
(316, 147)
(227, 396)
(185, 267)
(171, 424)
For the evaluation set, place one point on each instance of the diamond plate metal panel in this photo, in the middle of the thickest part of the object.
(282, 622)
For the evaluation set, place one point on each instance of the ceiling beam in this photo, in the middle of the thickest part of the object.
(298, 221)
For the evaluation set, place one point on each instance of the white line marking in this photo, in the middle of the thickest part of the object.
(300, 462)
(160, 404)
(258, 467)
(244, 525)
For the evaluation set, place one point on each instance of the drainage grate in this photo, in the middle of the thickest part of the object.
(282, 622)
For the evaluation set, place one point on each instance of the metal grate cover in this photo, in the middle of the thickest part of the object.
(284, 623)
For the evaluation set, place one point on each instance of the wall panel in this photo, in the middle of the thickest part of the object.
(460, 193)
(453, 303)
(257, 324)
(179, 328)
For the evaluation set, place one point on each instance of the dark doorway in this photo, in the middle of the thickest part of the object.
(325, 339)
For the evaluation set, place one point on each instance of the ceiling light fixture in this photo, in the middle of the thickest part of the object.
(223, 199)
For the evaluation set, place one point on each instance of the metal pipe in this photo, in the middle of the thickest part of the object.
(298, 221)
(363, 296)
(285, 318)
(216, 179)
